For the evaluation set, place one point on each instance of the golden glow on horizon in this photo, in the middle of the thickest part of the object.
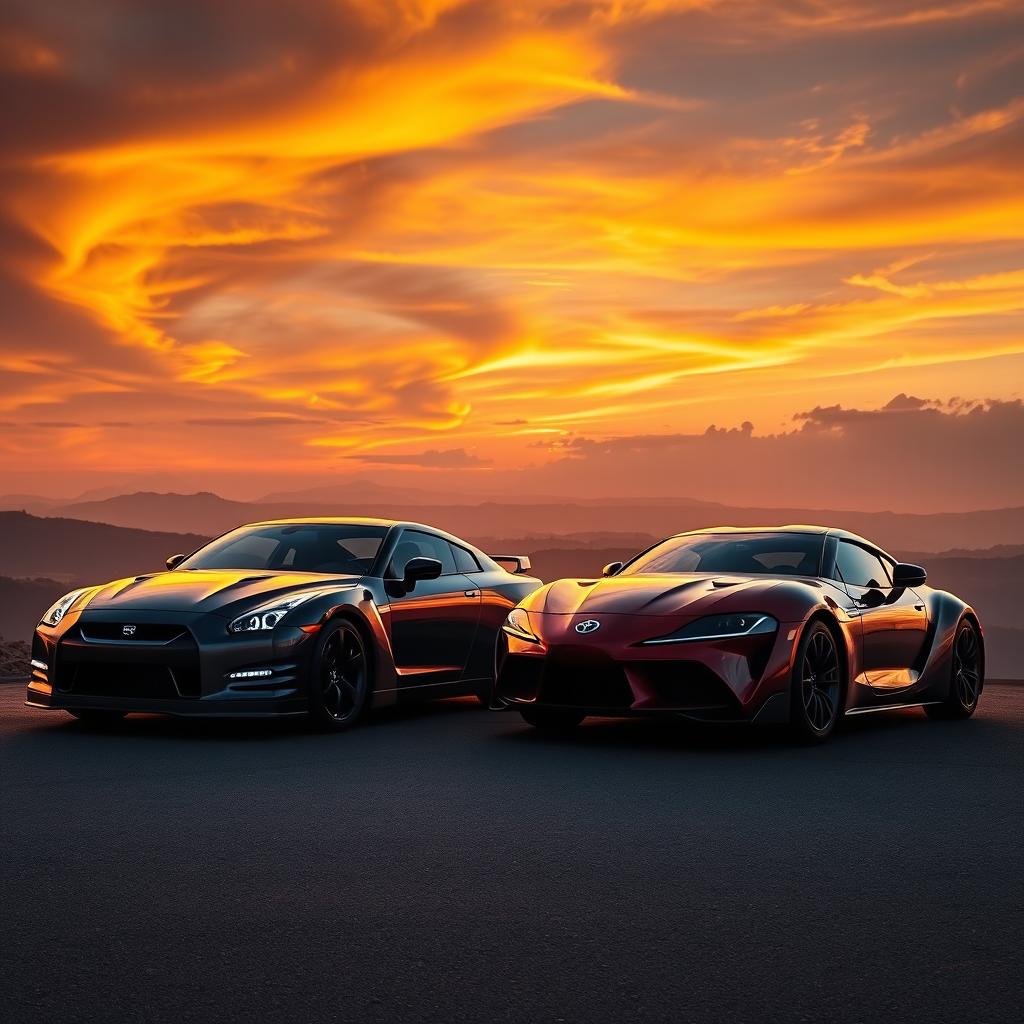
(537, 217)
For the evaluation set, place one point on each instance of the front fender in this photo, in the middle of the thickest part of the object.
(945, 611)
(845, 628)
(361, 603)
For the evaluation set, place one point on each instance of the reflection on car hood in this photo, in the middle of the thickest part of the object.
(207, 590)
(649, 595)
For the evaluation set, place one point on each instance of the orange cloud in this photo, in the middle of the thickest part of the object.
(368, 226)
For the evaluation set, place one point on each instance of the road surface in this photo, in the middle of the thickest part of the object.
(446, 864)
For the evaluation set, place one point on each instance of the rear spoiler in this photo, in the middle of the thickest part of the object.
(520, 562)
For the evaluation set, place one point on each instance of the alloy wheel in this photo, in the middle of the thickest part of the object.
(342, 673)
(967, 666)
(819, 681)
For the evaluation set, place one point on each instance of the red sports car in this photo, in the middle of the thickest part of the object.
(794, 624)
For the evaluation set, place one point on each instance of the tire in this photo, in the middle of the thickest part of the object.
(486, 691)
(967, 676)
(339, 677)
(552, 721)
(98, 717)
(816, 687)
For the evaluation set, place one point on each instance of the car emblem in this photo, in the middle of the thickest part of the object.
(587, 626)
(128, 630)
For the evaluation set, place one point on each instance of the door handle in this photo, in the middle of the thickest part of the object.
(472, 593)
(919, 607)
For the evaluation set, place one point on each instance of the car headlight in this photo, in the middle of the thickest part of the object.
(518, 625)
(720, 627)
(59, 609)
(267, 616)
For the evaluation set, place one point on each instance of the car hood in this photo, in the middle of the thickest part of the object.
(652, 595)
(207, 590)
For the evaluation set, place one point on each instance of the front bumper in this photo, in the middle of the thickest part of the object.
(173, 663)
(727, 680)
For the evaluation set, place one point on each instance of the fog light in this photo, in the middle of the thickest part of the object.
(251, 673)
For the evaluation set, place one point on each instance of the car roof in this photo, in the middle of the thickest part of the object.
(334, 520)
(386, 524)
(790, 528)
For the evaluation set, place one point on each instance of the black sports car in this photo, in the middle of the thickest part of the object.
(322, 617)
(794, 624)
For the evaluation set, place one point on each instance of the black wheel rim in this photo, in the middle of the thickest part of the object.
(342, 673)
(819, 681)
(967, 667)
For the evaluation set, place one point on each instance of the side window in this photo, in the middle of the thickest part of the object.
(415, 544)
(860, 568)
(465, 561)
(343, 554)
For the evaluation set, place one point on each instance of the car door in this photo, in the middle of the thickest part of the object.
(433, 627)
(894, 622)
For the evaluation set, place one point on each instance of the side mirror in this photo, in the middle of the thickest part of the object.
(174, 561)
(420, 569)
(907, 575)
(612, 568)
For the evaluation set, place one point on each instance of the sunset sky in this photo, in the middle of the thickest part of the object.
(494, 246)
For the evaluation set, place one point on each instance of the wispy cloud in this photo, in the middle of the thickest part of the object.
(358, 228)
(450, 458)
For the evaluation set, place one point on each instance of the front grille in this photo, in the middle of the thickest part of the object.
(158, 661)
(683, 684)
(586, 680)
(114, 679)
(141, 632)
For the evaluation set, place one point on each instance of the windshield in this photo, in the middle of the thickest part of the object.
(768, 554)
(330, 548)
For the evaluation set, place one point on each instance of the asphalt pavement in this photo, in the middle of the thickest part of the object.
(447, 864)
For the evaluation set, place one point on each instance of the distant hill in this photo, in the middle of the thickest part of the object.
(203, 513)
(34, 503)
(991, 585)
(209, 514)
(895, 531)
(999, 551)
(361, 489)
(69, 549)
(1004, 650)
(23, 603)
(631, 542)
(557, 563)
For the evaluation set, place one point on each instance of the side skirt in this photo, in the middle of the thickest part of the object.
(890, 707)
(430, 691)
